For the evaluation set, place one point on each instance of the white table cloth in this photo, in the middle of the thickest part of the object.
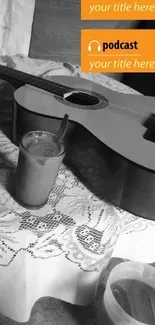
(62, 249)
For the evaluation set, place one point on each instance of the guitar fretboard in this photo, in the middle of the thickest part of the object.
(16, 77)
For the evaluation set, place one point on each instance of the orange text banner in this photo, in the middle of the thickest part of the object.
(117, 50)
(117, 10)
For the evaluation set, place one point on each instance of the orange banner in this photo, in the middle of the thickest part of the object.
(117, 50)
(117, 10)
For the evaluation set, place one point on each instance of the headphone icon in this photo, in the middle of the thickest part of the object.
(94, 41)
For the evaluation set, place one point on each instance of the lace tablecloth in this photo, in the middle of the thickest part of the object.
(62, 249)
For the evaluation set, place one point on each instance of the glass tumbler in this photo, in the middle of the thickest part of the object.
(39, 161)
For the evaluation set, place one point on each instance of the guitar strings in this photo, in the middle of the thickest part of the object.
(50, 85)
(115, 107)
(124, 111)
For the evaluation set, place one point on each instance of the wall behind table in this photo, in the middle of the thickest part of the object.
(143, 82)
(56, 30)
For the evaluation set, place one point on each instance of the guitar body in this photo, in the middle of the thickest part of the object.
(110, 142)
(126, 159)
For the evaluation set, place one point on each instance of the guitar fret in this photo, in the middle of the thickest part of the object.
(19, 77)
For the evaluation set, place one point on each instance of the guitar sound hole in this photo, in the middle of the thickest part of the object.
(84, 99)
(87, 100)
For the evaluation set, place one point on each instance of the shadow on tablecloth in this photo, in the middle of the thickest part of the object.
(51, 311)
(98, 167)
(6, 105)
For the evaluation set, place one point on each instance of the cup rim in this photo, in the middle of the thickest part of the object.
(42, 132)
(124, 270)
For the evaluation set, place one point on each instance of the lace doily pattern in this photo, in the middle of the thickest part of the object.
(75, 222)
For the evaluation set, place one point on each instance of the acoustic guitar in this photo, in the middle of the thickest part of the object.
(124, 123)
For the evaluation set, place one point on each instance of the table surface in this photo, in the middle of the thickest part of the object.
(75, 231)
(23, 240)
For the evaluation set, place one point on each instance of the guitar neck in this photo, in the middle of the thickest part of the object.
(18, 79)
